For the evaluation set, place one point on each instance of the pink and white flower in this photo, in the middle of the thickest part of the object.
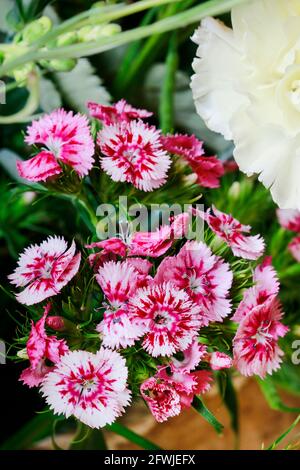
(219, 360)
(171, 319)
(91, 387)
(43, 270)
(65, 139)
(232, 232)
(118, 112)
(119, 282)
(132, 152)
(266, 285)
(40, 347)
(205, 277)
(294, 248)
(162, 399)
(255, 346)
(186, 384)
(289, 219)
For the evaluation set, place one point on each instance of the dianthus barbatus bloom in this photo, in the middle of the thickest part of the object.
(91, 387)
(39, 348)
(172, 320)
(294, 248)
(289, 219)
(205, 277)
(119, 282)
(186, 384)
(208, 169)
(65, 138)
(232, 232)
(162, 399)
(118, 112)
(266, 285)
(43, 270)
(255, 345)
(246, 86)
(133, 152)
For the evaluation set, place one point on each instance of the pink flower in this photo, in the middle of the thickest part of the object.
(110, 249)
(132, 152)
(255, 346)
(191, 357)
(65, 139)
(208, 169)
(119, 282)
(91, 387)
(289, 219)
(162, 399)
(40, 347)
(266, 285)
(172, 320)
(118, 112)
(219, 360)
(231, 231)
(205, 277)
(43, 270)
(294, 248)
(157, 243)
(187, 146)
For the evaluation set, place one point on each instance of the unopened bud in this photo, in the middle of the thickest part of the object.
(92, 33)
(36, 29)
(22, 354)
(56, 322)
(191, 179)
(21, 74)
(59, 65)
(67, 39)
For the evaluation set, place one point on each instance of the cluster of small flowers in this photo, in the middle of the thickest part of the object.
(161, 312)
(289, 219)
(131, 150)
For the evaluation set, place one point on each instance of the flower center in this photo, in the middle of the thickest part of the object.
(162, 318)
(54, 145)
(132, 154)
(46, 270)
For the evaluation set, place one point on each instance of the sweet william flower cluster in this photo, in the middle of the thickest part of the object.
(137, 316)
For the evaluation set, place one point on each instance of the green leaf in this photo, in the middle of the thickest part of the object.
(230, 400)
(207, 414)
(271, 395)
(166, 108)
(132, 436)
(288, 378)
(38, 428)
(280, 438)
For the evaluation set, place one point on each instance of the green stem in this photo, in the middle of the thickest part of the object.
(88, 439)
(181, 20)
(82, 200)
(31, 104)
(166, 107)
(99, 15)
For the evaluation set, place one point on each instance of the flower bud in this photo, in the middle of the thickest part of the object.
(22, 354)
(56, 322)
(21, 74)
(67, 39)
(36, 29)
(59, 65)
(92, 33)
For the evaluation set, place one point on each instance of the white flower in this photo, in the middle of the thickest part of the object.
(247, 87)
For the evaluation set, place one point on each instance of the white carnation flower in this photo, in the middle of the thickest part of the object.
(247, 87)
